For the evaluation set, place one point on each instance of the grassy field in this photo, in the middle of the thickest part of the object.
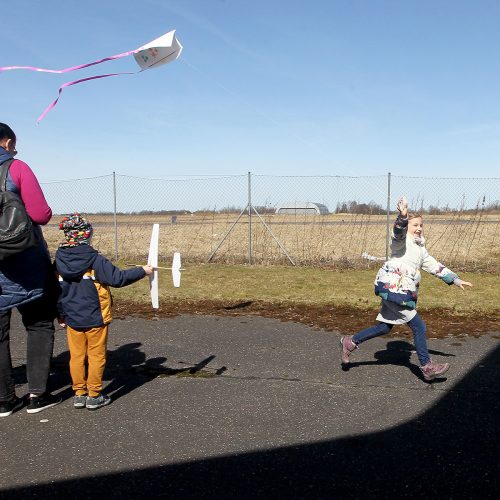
(310, 286)
(466, 241)
(331, 288)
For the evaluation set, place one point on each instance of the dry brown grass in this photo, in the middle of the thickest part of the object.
(465, 240)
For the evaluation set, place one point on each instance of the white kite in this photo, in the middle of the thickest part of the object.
(176, 269)
(160, 51)
(153, 261)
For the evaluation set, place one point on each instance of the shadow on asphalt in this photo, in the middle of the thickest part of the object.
(451, 450)
(126, 370)
(398, 353)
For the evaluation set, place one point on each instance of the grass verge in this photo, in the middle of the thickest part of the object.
(334, 301)
(301, 286)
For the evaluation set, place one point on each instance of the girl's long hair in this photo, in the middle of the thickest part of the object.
(414, 215)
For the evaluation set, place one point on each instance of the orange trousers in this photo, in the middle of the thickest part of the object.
(87, 345)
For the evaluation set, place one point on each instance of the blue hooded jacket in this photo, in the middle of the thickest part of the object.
(85, 277)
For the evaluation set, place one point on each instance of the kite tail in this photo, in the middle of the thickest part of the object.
(72, 68)
(67, 70)
(75, 82)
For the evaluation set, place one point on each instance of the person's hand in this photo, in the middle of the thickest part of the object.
(148, 269)
(462, 283)
(61, 322)
(402, 206)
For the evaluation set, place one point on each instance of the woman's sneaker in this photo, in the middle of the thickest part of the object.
(93, 403)
(347, 347)
(9, 407)
(432, 370)
(42, 402)
(80, 401)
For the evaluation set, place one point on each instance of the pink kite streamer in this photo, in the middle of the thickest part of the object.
(69, 84)
(72, 68)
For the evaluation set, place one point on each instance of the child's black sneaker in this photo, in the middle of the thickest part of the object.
(93, 403)
(9, 407)
(39, 403)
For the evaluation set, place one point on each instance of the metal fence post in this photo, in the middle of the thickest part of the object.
(250, 218)
(115, 220)
(387, 227)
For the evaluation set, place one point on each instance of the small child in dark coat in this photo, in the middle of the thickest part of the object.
(85, 307)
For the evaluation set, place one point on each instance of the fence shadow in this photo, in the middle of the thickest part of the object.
(452, 450)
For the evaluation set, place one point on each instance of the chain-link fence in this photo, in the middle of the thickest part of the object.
(303, 220)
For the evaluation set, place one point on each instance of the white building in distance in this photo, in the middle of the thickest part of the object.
(304, 207)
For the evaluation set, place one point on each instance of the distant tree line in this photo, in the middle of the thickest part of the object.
(353, 207)
(237, 210)
(372, 208)
(344, 207)
(435, 210)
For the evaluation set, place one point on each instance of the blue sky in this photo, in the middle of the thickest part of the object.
(324, 87)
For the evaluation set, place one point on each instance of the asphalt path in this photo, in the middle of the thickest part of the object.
(248, 407)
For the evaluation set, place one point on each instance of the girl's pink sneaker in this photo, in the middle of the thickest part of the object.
(432, 370)
(347, 347)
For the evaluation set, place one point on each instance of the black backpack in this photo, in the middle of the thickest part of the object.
(16, 227)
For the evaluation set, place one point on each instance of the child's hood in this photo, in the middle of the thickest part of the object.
(73, 262)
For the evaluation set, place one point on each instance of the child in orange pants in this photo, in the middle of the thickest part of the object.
(85, 307)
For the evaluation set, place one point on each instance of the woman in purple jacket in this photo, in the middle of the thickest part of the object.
(27, 283)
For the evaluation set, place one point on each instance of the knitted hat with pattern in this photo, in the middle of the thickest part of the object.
(77, 230)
